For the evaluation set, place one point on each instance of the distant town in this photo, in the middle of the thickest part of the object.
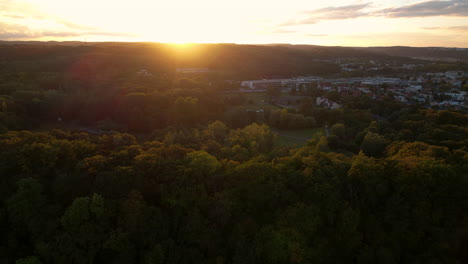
(440, 90)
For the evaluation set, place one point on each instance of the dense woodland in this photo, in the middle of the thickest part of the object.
(101, 165)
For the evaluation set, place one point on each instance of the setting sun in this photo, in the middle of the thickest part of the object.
(337, 22)
(233, 131)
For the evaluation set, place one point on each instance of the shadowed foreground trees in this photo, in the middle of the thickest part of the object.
(215, 195)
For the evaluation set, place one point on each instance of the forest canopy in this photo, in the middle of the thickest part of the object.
(101, 162)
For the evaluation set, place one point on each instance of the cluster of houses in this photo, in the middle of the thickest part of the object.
(441, 90)
(324, 102)
(437, 89)
(359, 64)
(279, 83)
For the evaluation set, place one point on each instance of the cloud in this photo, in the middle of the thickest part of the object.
(287, 31)
(428, 8)
(422, 9)
(34, 35)
(330, 13)
(15, 21)
(338, 12)
(316, 35)
(72, 25)
(455, 28)
(14, 16)
(16, 31)
(282, 30)
(22, 12)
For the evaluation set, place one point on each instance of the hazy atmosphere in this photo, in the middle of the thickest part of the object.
(335, 22)
(233, 132)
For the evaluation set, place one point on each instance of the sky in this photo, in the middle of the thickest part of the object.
(441, 23)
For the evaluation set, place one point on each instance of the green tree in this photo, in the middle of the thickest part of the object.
(155, 255)
(186, 111)
(256, 138)
(85, 223)
(202, 162)
(373, 144)
(27, 207)
(338, 130)
(217, 130)
(29, 260)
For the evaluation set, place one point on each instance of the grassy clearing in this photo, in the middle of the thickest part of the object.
(256, 101)
(297, 137)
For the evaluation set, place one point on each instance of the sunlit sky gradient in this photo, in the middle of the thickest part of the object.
(332, 22)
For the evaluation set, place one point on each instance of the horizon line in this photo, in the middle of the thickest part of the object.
(232, 43)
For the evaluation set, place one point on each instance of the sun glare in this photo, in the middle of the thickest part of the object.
(336, 22)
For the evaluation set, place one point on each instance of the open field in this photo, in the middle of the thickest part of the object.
(297, 137)
(256, 101)
(260, 101)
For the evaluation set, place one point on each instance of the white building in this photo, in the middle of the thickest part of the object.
(453, 75)
(192, 70)
(457, 96)
(414, 88)
(253, 84)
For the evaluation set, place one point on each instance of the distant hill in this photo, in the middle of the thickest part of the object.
(420, 53)
(429, 53)
(233, 61)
